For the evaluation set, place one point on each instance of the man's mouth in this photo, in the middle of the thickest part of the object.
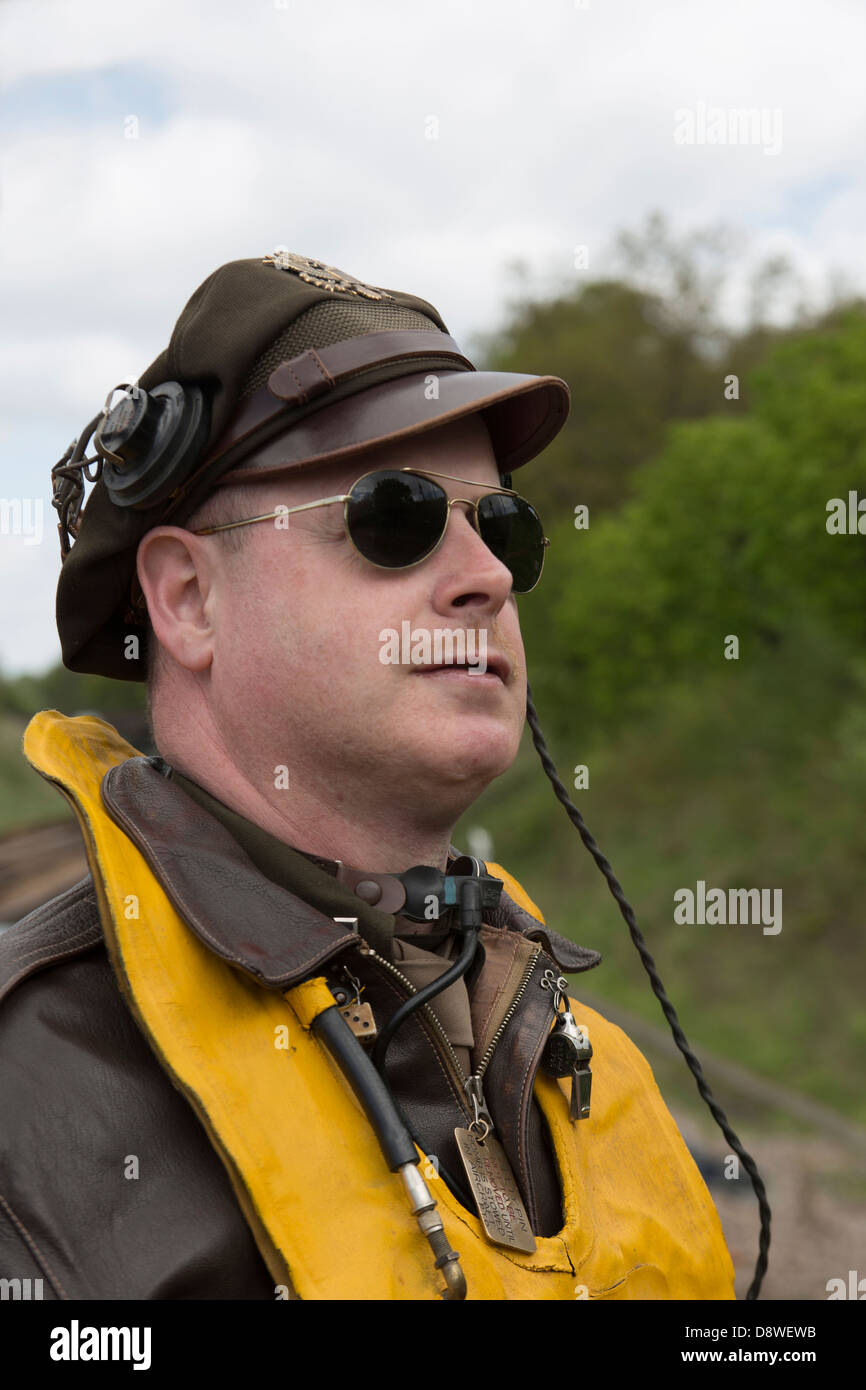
(497, 667)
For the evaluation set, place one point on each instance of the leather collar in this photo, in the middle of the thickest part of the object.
(274, 858)
(250, 921)
(245, 918)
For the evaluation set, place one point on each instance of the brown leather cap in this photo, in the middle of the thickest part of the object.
(301, 365)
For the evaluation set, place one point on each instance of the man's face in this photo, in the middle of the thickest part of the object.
(296, 678)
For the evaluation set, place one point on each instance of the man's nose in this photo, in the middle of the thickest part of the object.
(471, 572)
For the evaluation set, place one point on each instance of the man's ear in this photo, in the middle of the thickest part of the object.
(176, 573)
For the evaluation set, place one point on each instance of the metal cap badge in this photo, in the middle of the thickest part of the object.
(325, 277)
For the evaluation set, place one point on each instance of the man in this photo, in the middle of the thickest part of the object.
(306, 493)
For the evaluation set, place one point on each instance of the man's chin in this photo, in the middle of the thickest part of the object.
(471, 756)
(464, 743)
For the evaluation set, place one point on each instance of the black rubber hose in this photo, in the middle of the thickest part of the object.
(394, 1139)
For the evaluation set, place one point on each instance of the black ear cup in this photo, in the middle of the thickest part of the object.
(150, 441)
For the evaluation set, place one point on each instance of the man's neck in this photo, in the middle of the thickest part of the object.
(386, 842)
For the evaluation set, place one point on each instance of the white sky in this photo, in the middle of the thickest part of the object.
(304, 124)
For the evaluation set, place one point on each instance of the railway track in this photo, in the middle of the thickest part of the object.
(36, 865)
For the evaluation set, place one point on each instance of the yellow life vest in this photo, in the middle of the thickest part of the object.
(330, 1220)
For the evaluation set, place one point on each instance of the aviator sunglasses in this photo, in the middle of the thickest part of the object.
(397, 517)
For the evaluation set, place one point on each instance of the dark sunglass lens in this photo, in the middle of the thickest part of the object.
(396, 518)
(512, 529)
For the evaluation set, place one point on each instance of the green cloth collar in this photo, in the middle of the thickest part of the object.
(299, 873)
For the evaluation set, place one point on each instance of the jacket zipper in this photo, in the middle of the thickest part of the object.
(451, 1055)
(521, 990)
(470, 1086)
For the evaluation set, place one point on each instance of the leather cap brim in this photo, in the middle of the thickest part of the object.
(522, 413)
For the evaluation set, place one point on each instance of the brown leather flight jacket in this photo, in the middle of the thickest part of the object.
(109, 1185)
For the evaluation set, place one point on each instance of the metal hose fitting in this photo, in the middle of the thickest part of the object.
(423, 1205)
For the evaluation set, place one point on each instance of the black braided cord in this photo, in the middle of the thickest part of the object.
(667, 1007)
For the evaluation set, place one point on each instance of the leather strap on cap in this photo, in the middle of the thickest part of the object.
(318, 370)
(301, 379)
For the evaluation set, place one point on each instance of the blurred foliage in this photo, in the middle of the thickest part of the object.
(638, 352)
(71, 693)
(725, 534)
(25, 798)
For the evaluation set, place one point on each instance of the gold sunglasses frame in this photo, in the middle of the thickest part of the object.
(345, 498)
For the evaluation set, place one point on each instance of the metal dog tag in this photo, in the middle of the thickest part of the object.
(502, 1212)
